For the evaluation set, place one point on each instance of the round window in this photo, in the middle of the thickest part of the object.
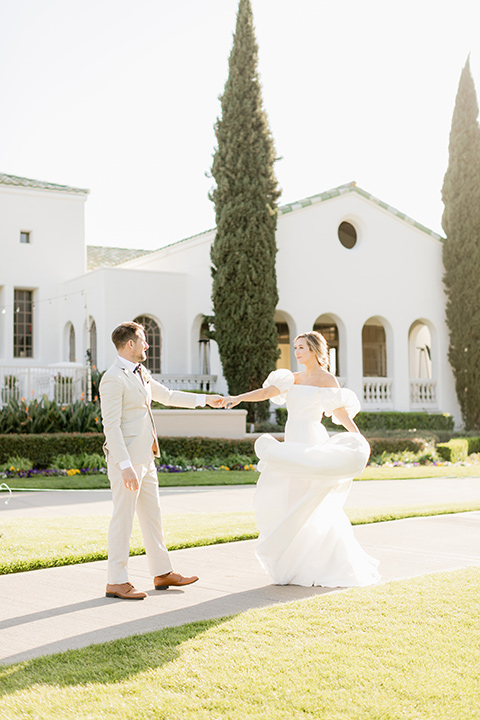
(347, 234)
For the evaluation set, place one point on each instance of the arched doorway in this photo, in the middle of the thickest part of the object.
(421, 366)
(154, 339)
(327, 327)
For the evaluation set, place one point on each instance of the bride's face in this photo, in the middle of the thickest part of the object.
(303, 353)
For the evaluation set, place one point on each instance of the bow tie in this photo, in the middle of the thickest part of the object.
(137, 368)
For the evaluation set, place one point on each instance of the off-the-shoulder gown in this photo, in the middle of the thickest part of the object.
(305, 537)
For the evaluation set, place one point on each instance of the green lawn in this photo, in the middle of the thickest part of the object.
(405, 650)
(50, 542)
(233, 477)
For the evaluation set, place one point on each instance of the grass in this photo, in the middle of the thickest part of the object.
(234, 477)
(408, 649)
(100, 481)
(51, 542)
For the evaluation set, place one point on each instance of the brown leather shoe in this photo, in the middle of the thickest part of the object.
(126, 591)
(162, 582)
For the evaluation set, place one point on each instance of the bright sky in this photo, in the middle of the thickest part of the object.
(121, 97)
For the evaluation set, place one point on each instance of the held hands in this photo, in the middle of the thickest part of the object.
(130, 479)
(229, 402)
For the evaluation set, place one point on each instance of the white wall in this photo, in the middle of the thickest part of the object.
(56, 252)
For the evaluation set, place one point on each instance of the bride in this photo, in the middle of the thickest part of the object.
(305, 538)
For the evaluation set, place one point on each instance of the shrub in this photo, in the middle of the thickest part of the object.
(18, 463)
(398, 444)
(47, 416)
(454, 450)
(80, 462)
(458, 449)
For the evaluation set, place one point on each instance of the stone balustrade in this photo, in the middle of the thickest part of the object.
(377, 393)
(423, 394)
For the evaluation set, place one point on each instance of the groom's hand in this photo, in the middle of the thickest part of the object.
(130, 479)
(214, 401)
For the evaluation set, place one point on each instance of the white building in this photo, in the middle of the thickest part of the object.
(363, 273)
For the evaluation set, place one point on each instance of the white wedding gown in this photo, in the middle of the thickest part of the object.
(305, 537)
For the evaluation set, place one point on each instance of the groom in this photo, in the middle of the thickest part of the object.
(126, 393)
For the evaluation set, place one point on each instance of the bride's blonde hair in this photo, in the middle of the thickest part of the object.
(318, 345)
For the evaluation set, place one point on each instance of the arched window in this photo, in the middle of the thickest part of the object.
(71, 344)
(154, 339)
(93, 342)
(374, 345)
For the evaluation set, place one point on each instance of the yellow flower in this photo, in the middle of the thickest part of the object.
(73, 471)
(224, 467)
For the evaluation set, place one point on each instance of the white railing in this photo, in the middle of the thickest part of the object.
(204, 383)
(377, 391)
(61, 383)
(423, 393)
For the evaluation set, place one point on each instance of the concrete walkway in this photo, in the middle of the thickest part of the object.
(228, 498)
(47, 611)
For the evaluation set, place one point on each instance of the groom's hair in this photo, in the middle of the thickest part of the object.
(125, 332)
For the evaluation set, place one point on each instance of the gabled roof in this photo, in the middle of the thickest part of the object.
(99, 256)
(353, 187)
(38, 184)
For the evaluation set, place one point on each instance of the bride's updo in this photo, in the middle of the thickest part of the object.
(318, 345)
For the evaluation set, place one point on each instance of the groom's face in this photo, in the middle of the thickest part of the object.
(139, 347)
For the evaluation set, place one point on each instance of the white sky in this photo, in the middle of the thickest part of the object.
(121, 97)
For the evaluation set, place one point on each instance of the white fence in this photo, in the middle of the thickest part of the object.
(61, 383)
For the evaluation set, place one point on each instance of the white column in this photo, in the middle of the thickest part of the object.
(353, 371)
(398, 367)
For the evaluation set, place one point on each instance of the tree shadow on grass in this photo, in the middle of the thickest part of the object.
(117, 660)
(109, 662)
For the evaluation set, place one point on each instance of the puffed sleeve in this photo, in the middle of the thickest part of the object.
(340, 398)
(283, 380)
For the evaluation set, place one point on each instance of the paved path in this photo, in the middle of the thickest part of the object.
(47, 611)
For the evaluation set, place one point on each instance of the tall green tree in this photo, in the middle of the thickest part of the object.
(461, 250)
(243, 254)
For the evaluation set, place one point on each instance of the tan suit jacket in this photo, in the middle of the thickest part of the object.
(127, 417)
(131, 436)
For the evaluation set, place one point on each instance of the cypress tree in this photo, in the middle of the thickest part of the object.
(243, 253)
(461, 250)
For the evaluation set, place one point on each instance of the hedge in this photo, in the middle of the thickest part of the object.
(368, 421)
(458, 449)
(40, 449)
